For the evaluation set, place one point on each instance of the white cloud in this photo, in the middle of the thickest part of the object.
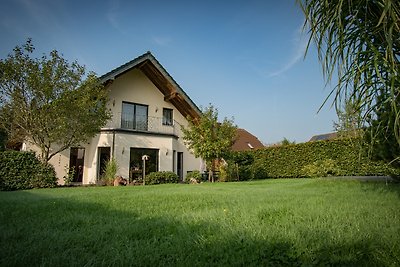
(43, 12)
(299, 47)
(112, 16)
(162, 40)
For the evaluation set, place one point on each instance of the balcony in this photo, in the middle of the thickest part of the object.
(144, 124)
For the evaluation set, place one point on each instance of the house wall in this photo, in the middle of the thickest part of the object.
(60, 161)
(134, 87)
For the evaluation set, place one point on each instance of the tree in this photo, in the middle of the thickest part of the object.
(287, 142)
(349, 123)
(381, 136)
(208, 138)
(359, 41)
(48, 101)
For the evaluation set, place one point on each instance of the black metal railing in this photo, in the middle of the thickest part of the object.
(128, 121)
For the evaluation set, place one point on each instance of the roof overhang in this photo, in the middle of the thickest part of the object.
(156, 73)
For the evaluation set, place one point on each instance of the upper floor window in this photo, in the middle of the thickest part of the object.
(134, 116)
(167, 116)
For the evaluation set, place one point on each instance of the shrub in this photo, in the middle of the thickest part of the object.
(163, 177)
(259, 170)
(194, 175)
(321, 168)
(69, 175)
(223, 175)
(22, 170)
(240, 165)
(110, 171)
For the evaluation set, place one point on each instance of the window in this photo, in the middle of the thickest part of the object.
(167, 116)
(103, 156)
(134, 116)
(76, 163)
(136, 162)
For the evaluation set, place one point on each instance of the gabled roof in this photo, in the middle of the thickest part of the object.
(320, 137)
(171, 90)
(246, 141)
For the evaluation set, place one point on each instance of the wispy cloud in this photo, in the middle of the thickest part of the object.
(299, 43)
(40, 14)
(112, 16)
(162, 40)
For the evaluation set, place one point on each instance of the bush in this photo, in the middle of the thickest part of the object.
(321, 168)
(163, 177)
(240, 165)
(22, 170)
(110, 171)
(195, 175)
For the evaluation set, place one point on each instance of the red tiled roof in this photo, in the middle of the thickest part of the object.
(246, 141)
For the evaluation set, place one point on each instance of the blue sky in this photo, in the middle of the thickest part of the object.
(244, 57)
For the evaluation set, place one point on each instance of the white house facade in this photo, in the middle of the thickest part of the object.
(148, 109)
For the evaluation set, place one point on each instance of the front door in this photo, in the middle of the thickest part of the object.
(76, 163)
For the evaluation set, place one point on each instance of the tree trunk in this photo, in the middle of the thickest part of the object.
(211, 172)
(210, 175)
(45, 155)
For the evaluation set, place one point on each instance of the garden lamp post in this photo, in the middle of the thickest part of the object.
(144, 158)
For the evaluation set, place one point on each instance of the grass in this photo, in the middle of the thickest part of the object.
(269, 223)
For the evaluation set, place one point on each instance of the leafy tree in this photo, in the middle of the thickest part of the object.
(208, 138)
(48, 101)
(286, 142)
(349, 120)
(359, 41)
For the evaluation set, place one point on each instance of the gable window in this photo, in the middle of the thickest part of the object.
(134, 116)
(167, 116)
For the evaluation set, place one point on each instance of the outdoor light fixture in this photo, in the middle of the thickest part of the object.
(144, 158)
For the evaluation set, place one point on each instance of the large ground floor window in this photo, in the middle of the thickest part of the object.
(104, 154)
(136, 162)
(76, 163)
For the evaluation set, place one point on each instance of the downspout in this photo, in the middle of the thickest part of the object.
(113, 144)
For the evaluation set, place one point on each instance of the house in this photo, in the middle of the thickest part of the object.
(148, 109)
(320, 137)
(246, 141)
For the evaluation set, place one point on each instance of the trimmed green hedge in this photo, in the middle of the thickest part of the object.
(22, 170)
(162, 177)
(341, 157)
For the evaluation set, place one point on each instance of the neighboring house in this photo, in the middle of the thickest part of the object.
(246, 141)
(148, 109)
(320, 137)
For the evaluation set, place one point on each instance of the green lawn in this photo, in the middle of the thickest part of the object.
(262, 223)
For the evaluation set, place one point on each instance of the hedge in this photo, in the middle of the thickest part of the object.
(341, 157)
(162, 177)
(22, 170)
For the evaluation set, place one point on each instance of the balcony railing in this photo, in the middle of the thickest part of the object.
(143, 124)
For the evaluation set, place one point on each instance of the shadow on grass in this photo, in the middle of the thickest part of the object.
(40, 230)
(382, 187)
